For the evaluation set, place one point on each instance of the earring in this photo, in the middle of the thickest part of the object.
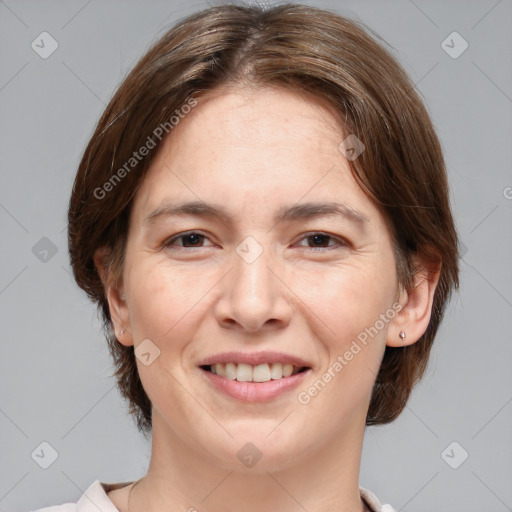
(123, 296)
(122, 331)
(402, 335)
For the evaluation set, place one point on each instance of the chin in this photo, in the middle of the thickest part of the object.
(258, 450)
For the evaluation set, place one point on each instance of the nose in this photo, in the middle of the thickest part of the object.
(254, 295)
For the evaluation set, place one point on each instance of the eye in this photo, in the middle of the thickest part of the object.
(195, 239)
(320, 240)
(191, 240)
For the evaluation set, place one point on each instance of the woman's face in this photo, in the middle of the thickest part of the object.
(313, 289)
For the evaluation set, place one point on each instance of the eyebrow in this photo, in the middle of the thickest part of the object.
(301, 211)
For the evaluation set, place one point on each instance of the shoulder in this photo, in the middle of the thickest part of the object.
(93, 499)
(373, 502)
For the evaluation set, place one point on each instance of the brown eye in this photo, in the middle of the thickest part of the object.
(322, 241)
(189, 240)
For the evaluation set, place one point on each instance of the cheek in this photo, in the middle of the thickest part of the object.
(353, 345)
(165, 301)
(345, 299)
(352, 307)
(164, 308)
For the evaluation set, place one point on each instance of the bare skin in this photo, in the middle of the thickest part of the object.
(253, 152)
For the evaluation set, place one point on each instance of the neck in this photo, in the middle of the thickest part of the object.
(182, 477)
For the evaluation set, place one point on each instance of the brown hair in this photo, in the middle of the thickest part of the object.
(304, 49)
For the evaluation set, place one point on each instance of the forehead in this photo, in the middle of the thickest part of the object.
(249, 149)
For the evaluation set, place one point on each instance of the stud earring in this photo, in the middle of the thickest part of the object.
(402, 335)
(122, 331)
(123, 296)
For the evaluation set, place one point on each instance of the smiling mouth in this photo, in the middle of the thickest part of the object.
(243, 372)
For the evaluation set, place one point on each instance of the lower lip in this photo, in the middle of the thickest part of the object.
(255, 391)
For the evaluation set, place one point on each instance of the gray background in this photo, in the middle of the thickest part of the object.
(56, 385)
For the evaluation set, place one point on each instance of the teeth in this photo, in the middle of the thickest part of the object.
(244, 372)
(248, 373)
(276, 371)
(261, 373)
(287, 370)
(231, 371)
(220, 370)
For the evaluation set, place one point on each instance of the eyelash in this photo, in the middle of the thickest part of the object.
(340, 242)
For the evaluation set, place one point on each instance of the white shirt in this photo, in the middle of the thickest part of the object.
(95, 499)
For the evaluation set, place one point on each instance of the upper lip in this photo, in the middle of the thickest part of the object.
(254, 358)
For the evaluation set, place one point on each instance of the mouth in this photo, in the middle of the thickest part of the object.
(243, 372)
(255, 377)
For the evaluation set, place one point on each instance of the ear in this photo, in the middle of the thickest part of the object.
(118, 307)
(414, 317)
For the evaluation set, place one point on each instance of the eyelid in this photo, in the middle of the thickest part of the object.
(340, 241)
(169, 241)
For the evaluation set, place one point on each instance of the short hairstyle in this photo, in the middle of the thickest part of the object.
(302, 49)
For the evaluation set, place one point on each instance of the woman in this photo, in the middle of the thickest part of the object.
(262, 216)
